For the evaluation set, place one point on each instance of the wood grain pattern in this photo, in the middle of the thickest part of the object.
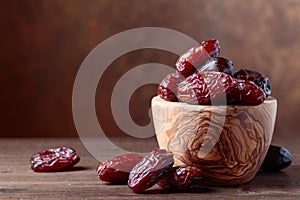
(18, 181)
(227, 143)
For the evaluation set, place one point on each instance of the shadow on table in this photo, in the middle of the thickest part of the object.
(73, 169)
(287, 178)
(195, 190)
(284, 179)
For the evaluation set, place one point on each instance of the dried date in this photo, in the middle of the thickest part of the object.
(259, 79)
(117, 170)
(150, 170)
(168, 87)
(204, 87)
(245, 92)
(218, 64)
(195, 57)
(181, 178)
(277, 158)
(56, 159)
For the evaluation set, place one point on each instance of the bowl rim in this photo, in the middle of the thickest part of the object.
(157, 98)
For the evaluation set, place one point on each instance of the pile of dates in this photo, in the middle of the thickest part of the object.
(143, 172)
(202, 77)
(156, 167)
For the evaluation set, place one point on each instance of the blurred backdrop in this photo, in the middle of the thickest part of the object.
(43, 43)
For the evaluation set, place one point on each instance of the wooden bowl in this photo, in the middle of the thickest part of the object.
(228, 143)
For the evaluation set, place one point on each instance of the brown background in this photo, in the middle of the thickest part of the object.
(43, 43)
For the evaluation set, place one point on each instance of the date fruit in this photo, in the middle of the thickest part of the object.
(195, 57)
(57, 159)
(117, 170)
(204, 87)
(245, 92)
(167, 88)
(277, 158)
(150, 170)
(183, 178)
(218, 64)
(259, 79)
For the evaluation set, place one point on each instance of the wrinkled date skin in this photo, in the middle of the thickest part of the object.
(259, 79)
(245, 92)
(218, 64)
(203, 78)
(150, 170)
(276, 159)
(57, 159)
(168, 87)
(117, 170)
(188, 63)
(185, 178)
(204, 87)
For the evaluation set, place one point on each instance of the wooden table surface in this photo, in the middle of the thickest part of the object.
(18, 181)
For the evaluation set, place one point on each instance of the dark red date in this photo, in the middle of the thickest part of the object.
(181, 179)
(204, 87)
(150, 170)
(259, 79)
(57, 159)
(218, 64)
(195, 57)
(168, 87)
(117, 170)
(245, 92)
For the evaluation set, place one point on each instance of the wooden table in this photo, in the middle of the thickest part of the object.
(18, 181)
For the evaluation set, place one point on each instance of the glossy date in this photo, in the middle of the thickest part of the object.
(259, 79)
(168, 87)
(150, 170)
(243, 92)
(195, 57)
(204, 87)
(181, 178)
(117, 170)
(56, 159)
